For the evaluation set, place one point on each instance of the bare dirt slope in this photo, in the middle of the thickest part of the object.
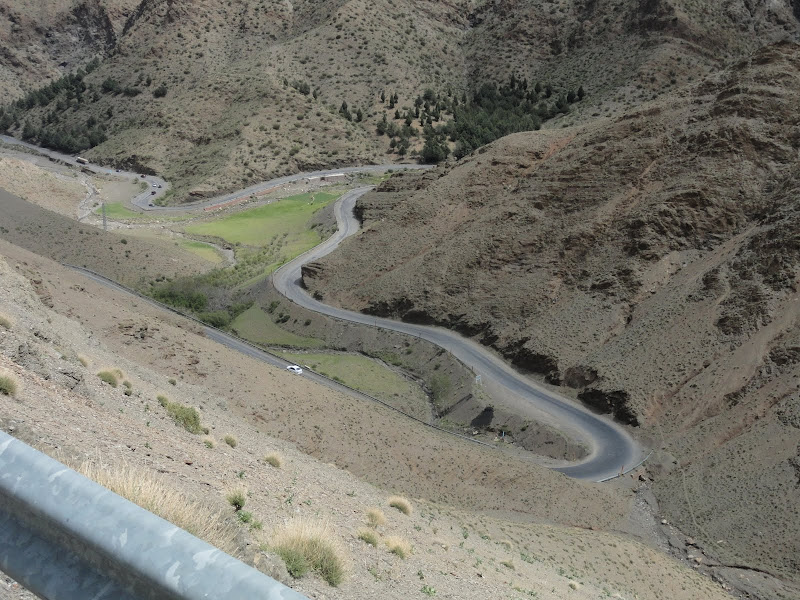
(649, 262)
(459, 549)
(127, 259)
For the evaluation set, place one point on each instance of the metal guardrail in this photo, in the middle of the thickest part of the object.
(65, 537)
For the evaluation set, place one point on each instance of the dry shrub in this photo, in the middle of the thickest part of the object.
(274, 459)
(83, 360)
(237, 498)
(230, 440)
(142, 488)
(398, 546)
(306, 545)
(108, 377)
(368, 536)
(375, 517)
(8, 386)
(5, 323)
(401, 504)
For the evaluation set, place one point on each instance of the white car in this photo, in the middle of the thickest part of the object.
(155, 185)
(295, 369)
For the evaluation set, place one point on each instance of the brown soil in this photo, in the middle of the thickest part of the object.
(477, 529)
(660, 248)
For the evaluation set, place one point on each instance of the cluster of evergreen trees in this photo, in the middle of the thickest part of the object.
(50, 105)
(491, 112)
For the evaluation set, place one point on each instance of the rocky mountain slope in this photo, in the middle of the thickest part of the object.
(494, 536)
(255, 90)
(647, 262)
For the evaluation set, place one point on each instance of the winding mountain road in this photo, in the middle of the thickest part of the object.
(612, 449)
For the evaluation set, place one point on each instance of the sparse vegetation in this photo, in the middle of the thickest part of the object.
(398, 546)
(375, 517)
(274, 459)
(401, 504)
(4, 322)
(237, 499)
(185, 416)
(230, 440)
(108, 377)
(142, 488)
(368, 536)
(307, 545)
(8, 387)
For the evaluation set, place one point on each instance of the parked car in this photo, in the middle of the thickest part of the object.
(295, 369)
(153, 193)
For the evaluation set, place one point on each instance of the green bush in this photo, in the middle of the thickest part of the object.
(217, 318)
(185, 416)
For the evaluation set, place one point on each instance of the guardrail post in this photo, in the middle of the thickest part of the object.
(65, 537)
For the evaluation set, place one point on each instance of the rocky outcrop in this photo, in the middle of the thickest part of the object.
(615, 402)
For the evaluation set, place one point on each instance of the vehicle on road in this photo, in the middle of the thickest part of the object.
(295, 369)
(81, 161)
(155, 185)
(153, 193)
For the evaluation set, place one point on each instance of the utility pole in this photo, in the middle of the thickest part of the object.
(105, 225)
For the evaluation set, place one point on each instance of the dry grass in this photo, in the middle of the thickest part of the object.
(399, 546)
(8, 386)
(368, 536)
(237, 498)
(310, 545)
(401, 504)
(83, 360)
(230, 440)
(5, 322)
(375, 517)
(274, 459)
(142, 488)
(209, 443)
(108, 377)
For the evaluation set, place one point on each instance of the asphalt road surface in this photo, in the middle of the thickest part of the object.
(612, 449)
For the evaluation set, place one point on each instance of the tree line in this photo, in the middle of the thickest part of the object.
(39, 116)
(470, 121)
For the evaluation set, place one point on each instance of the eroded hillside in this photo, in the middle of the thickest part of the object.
(214, 96)
(648, 262)
(490, 532)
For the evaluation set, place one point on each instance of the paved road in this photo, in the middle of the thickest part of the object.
(612, 449)
(265, 185)
(141, 199)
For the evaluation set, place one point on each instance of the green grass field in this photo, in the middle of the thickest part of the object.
(257, 326)
(259, 226)
(202, 250)
(115, 210)
(368, 376)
